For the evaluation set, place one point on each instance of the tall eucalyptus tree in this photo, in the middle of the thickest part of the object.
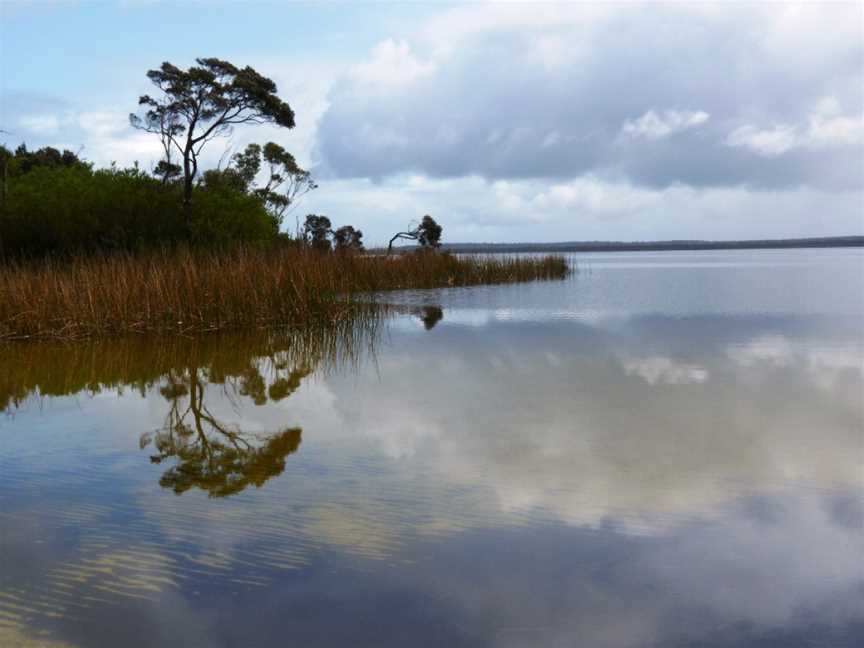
(202, 103)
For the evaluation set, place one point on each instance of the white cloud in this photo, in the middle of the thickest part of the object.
(824, 132)
(450, 29)
(529, 91)
(768, 142)
(40, 124)
(653, 125)
(583, 208)
(391, 63)
(823, 129)
(505, 122)
(595, 195)
(124, 149)
(103, 123)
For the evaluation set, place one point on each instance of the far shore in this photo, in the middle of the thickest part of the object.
(658, 246)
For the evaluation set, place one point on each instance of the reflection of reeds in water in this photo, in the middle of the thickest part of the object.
(117, 561)
(124, 544)
(140, 362)
(199, 450)
(213, 290)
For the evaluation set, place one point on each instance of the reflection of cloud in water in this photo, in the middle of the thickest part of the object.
(770, 566)
(479, 318)
(688, 456)
(585, 425)
(778, 577)
(591, 438)
(770, 349)
(825, 364)
(659, 370)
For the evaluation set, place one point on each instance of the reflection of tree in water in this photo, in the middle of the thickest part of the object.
(264, 366)
(211, 455)
(430, 316)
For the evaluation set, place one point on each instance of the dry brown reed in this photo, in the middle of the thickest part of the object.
(195, 291)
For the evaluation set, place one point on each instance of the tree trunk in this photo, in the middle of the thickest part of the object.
(5, 179)
(390, 245)
(398, 235)
(187, 196)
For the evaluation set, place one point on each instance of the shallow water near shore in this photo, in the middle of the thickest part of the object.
(665, 449)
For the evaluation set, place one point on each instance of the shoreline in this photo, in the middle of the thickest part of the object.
(657, 246)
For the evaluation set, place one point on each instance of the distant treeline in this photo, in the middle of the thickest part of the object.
(635, 246)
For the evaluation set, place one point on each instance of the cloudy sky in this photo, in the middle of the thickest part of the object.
(513, 121)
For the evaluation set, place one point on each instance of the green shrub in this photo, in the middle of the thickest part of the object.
(63, 210)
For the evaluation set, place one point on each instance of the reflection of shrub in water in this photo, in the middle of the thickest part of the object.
(284, 387)
(430, 316)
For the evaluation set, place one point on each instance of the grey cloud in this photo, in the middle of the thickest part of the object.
(493, 109)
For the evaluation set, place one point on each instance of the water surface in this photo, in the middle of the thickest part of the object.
(666, 449)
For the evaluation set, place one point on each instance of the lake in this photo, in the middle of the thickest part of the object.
(666, 449)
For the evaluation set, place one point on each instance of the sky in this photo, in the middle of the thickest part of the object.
(506, 121)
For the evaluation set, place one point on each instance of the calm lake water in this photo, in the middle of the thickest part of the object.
(665, 450)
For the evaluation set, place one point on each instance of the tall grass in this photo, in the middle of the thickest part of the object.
(199, 290)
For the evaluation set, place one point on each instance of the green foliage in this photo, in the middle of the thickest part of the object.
(348, 239)
(23, 161)
(68, 209)
(248, 164)
(286, 181)
(229, 179)
(202, 103)
(316, 231)
(227, 216)
(52, 202)
(167, 171)
(429, 233)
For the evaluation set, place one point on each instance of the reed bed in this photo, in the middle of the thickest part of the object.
(191, 291)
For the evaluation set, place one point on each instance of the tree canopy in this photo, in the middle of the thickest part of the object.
(286, 180)
(427, 234)
(23, 160)
(316, 231)
(346, 239)
(54, 202)
(202, 103)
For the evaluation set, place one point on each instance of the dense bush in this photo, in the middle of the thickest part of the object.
(57, 209)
